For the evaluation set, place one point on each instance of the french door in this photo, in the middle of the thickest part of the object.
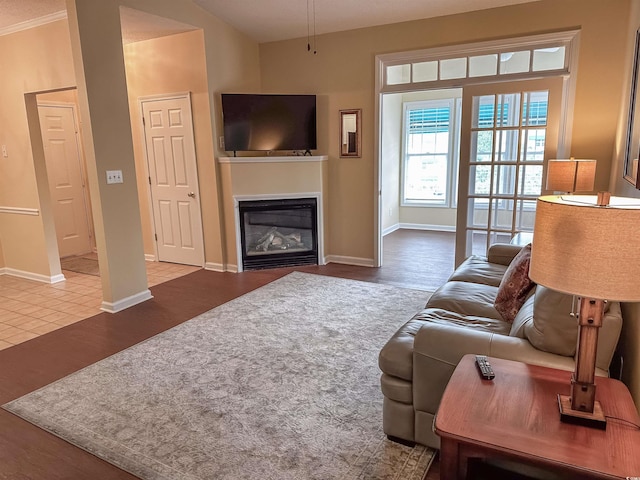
(509, 130)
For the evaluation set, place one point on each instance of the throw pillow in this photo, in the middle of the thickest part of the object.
(514, 286)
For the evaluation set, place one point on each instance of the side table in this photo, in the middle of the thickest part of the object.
(515, 417)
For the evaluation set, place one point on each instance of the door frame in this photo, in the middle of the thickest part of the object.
(569, 38)
(147, 180)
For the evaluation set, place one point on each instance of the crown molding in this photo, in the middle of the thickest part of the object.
(36, 22)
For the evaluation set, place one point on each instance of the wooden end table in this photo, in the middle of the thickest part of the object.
(516, 417)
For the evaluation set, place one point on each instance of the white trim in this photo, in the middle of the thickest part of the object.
(475, 48)
(426, 226)
(214, 267)
(149, 257)
(277, 196)
(274, 159)
(531, 42)
(32, 276)
(118, 306)
(20, 210)
(357, 261)
(377, 170)
(390, 229)
(36, 22)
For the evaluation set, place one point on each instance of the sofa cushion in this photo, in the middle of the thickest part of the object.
(476, 269)
(465, 298)
(524, 316)
(447, 317)
(552, 328)
(396, 357)
(515, 285)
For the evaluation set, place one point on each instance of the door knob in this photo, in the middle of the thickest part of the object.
(191, 194)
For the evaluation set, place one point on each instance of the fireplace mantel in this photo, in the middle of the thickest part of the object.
(275, 159)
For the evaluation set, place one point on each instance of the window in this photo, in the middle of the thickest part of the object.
(431, 134)
(549, 54)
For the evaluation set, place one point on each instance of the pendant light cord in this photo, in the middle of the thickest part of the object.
(309, 14)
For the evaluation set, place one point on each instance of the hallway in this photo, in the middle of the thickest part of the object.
(29, 309)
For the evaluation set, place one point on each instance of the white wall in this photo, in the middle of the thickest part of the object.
(393, 214)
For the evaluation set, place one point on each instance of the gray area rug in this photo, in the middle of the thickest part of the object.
(88, 266)
(281, 383)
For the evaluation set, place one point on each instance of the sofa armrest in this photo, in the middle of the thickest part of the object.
(502, 253)
(439, 347)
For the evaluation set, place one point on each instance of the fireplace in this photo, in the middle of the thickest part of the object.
(278, 232)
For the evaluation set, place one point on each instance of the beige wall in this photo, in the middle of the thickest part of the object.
(39, 60)
(343, 70)
(631, 312)
(42, 59)
(167, 65)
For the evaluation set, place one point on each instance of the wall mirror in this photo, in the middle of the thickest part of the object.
(632, 151)
(350, 132)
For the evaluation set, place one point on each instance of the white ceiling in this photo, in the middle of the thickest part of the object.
(269, 20)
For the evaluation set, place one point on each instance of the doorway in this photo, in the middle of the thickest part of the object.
(66, 173)
(481, 67)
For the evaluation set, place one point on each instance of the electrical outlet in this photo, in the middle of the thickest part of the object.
(114, 176)
(390, 212)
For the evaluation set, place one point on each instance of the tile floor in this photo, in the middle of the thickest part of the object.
(29, 308)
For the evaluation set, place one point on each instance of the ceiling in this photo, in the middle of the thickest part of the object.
(267, 20)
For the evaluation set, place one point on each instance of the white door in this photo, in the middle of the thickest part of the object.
(173, 179)
(66, 179)
(509, 131)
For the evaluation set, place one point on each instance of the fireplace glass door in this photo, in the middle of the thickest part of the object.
(278, 233)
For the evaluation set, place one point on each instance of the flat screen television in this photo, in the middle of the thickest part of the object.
(268, 122)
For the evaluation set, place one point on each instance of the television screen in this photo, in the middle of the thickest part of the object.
(261, 122)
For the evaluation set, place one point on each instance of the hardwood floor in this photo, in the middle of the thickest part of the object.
(27, 452)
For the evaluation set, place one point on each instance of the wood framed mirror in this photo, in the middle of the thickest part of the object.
(632, 151)
(350, 132)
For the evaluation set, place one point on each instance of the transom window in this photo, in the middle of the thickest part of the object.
(527, 57)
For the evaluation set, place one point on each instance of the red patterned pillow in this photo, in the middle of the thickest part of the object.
(515, 286)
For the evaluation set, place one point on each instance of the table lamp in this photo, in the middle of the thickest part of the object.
(572, 175)
(586, 245)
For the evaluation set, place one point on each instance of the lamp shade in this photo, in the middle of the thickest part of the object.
(572, 175)
(584, 249)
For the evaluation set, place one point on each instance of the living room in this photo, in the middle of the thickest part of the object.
(341, 74)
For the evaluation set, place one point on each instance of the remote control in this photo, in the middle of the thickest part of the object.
(485, 367)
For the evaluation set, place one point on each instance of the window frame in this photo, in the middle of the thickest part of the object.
(454, 104)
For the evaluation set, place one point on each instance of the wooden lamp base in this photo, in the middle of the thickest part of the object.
(578, 417)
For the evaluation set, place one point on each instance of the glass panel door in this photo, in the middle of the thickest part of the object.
(509, 131)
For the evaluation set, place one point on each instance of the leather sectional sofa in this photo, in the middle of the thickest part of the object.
(460, 318)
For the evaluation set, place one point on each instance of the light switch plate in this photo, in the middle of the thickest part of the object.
(114, 176)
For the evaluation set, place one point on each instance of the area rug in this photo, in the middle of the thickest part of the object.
(281, 383)
(88, 266)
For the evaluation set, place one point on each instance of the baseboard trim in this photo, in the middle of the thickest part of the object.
(32, 276)
(424, 226)
(390, 229)
(114, 307)
(357, 261)
(149, 257)
(214, 267)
